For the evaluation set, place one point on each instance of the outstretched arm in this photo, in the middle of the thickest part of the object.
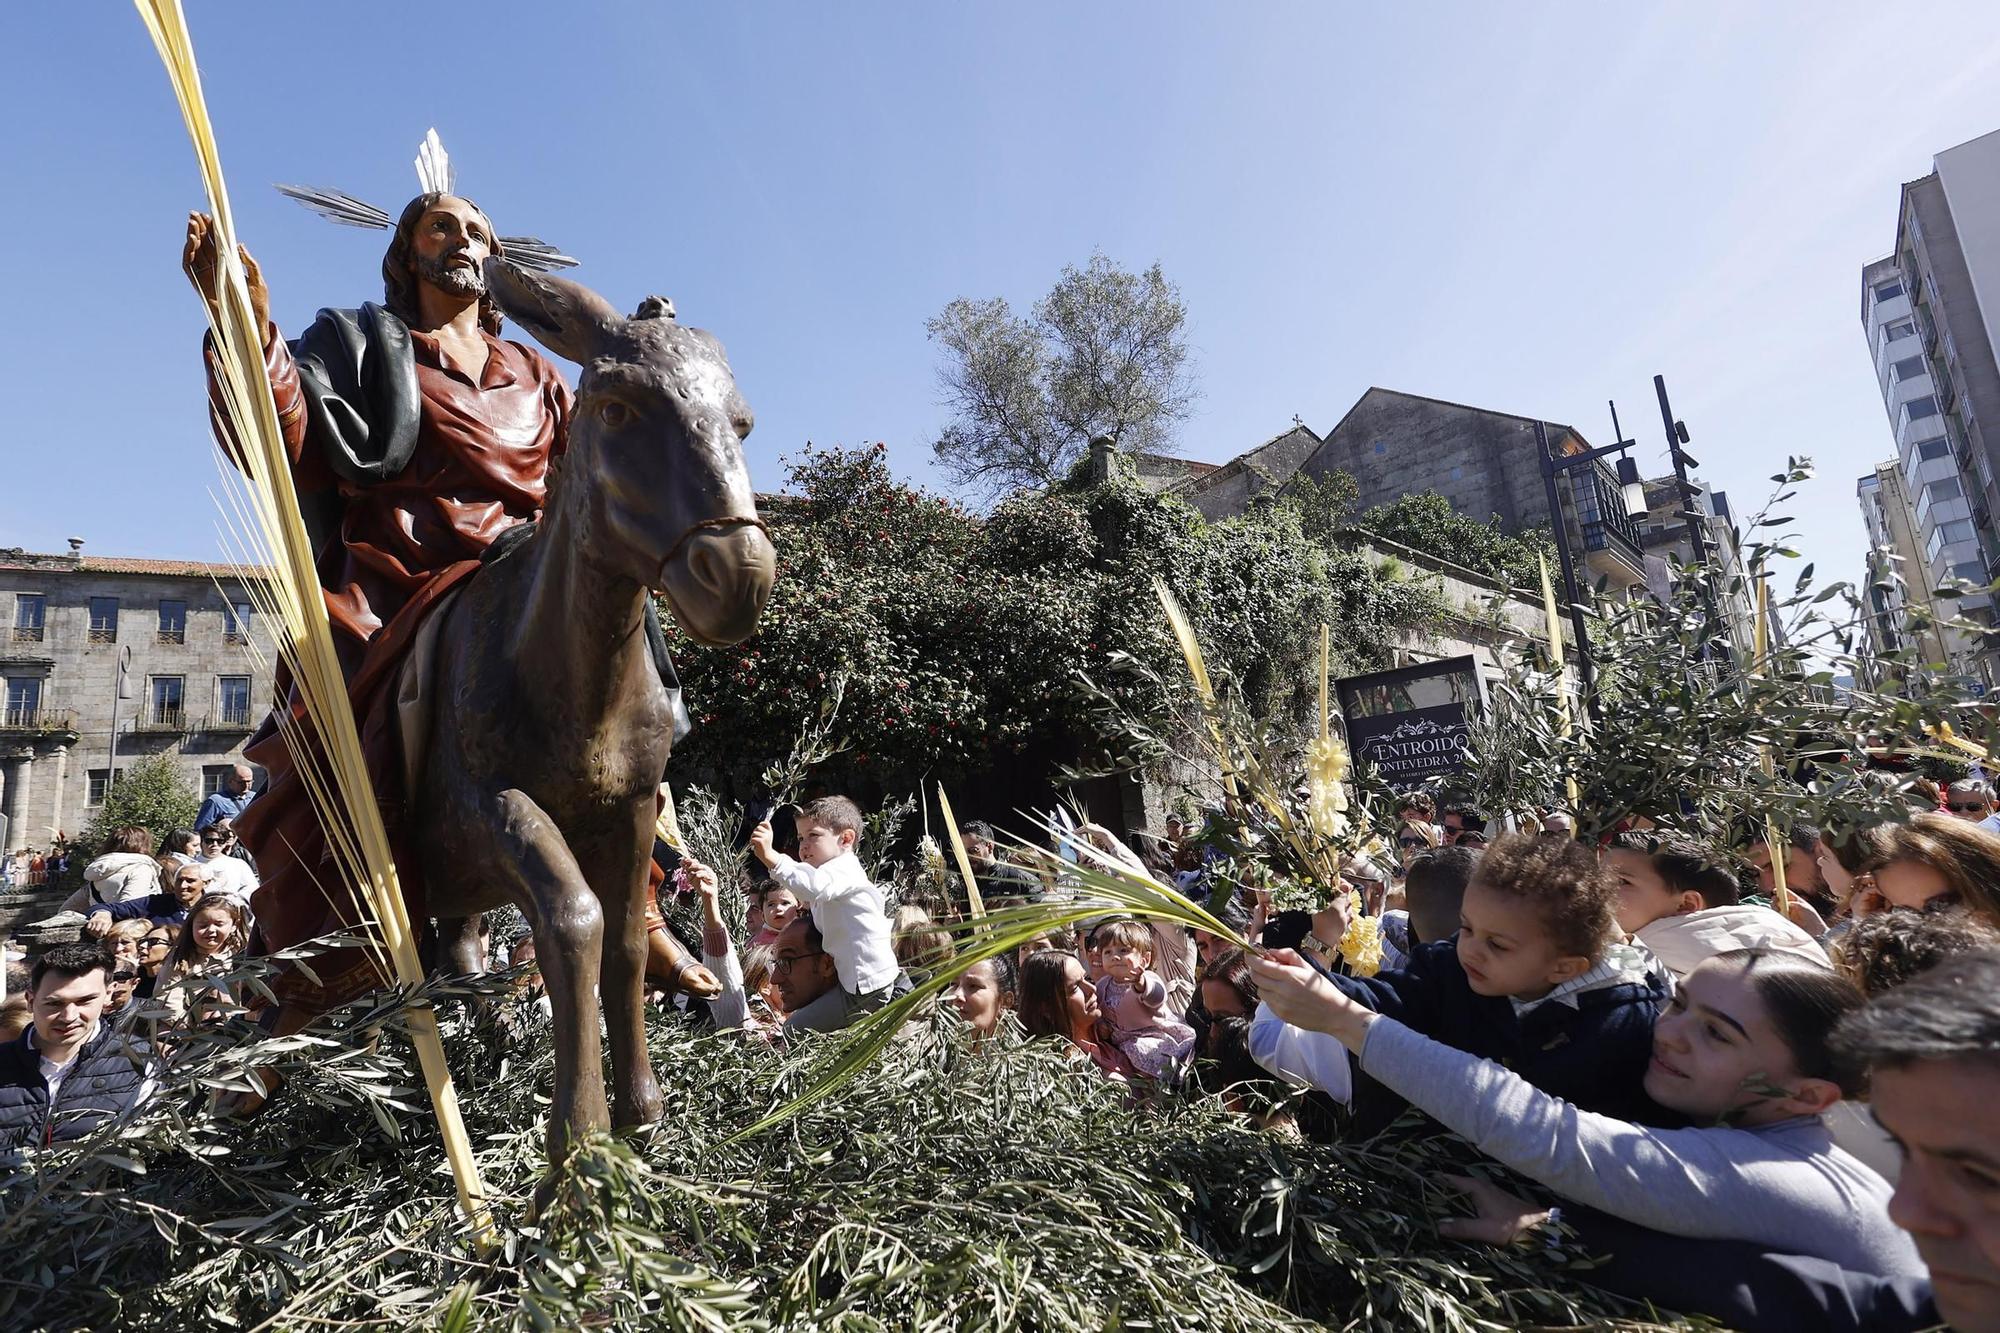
(200, 260)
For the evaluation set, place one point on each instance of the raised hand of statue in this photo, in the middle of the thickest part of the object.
(200, 260)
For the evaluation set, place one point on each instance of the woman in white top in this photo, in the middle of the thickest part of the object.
(125, 870)
(1742, 1049)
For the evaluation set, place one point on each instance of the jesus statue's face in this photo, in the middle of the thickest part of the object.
(452, 240)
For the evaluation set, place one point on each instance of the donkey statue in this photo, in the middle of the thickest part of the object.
(552, 728)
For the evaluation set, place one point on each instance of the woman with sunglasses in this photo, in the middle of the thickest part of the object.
(154, 949)
(1413, 837)
(227, 872)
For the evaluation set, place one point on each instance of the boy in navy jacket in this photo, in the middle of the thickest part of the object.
(1536, 979)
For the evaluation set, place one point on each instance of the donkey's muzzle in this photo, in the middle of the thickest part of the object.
(717, 582)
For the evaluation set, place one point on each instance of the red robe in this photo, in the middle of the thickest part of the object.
(480, 467)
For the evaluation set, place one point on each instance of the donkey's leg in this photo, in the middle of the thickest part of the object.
(458, 946)
(636, 1096)
(569, 933)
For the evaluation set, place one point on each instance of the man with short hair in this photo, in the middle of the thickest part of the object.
(71, 1070)
(229, 800)
(1434, 889)
(1802, 872)
(800, 965)
(1969, 799)
(1464, 826)
(997, 880)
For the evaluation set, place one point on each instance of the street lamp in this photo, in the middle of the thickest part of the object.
(1716, 640)
(1630, 488)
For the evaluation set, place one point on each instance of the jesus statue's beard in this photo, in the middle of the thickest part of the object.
(451, 281)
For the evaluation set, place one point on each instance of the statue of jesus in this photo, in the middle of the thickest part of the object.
(418, 438)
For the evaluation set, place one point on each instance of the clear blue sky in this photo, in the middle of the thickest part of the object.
(1533, 208)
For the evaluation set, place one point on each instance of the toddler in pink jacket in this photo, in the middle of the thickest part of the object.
(1138, 1018)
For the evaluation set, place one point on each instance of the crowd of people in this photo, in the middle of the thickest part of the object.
(1769, 1106)
(1776, 1117)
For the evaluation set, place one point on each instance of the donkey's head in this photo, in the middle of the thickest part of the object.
(654, 476)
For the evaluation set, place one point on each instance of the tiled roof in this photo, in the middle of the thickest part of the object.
(115, 564)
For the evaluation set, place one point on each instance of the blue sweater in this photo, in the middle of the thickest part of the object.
(162, 909)
(1592, 1055)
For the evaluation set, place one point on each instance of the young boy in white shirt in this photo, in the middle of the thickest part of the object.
(848, 911)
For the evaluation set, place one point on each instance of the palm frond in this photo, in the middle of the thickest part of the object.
(340, 788)
(975, 904)
(1108, 888)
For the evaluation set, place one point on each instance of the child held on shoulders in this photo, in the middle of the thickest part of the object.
(1138, 1017)
(1537, 977)
(848, 911)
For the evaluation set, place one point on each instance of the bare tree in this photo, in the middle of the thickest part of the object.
(1104, 353)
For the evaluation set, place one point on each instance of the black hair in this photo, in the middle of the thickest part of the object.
(1004, 975)
(1225, 1064)
(1686, 866)
(1951, 1012)
(1434, 887)
(1806, 1003)
(1471, 816)
(71, 961)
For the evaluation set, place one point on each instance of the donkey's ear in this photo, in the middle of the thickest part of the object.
(566, 317)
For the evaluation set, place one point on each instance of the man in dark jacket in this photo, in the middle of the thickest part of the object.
(71, 1070)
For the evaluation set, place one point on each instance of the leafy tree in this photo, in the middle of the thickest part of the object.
(965, 643)
(152, 794)
(1324, 505)
(1104, 353)
(1426, 521)
(1681, 736)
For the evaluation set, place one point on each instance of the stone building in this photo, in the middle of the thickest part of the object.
(104, 656)
(1484, 462)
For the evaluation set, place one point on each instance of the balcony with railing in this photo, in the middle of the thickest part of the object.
(104, 634)
(38, 721)
(170, 636)
(228, 720)
(27, 634)
(1607, 531)
(162, 722)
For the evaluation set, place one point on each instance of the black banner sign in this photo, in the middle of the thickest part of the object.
(1412, 747)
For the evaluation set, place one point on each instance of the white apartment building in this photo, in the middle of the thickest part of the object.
(1940, 492)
